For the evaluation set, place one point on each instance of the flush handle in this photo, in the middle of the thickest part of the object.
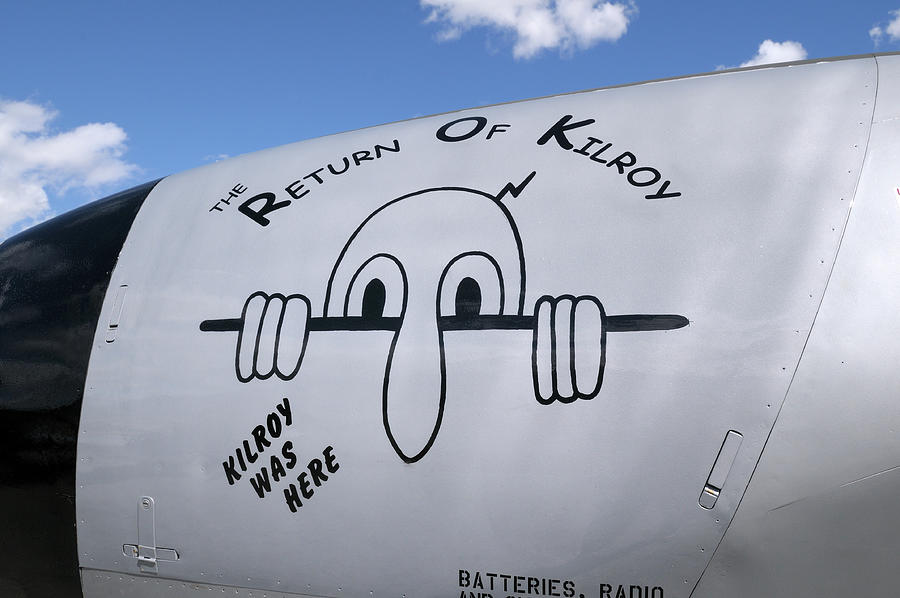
(719, 472)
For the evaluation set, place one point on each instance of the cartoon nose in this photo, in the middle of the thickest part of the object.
(414, 385)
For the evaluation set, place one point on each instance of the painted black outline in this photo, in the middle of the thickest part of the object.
(237, 352)
(354, 323)
(363, 267)
(442, 353)
(449, 265)
(262, 320)
(616, 323)
(519, 321)
(443, 368)
(555, 395)
(390, 358)
(317, 324)
(515, 190)
(289, 376)
(237, 324)
(577, 393)
(503, 208)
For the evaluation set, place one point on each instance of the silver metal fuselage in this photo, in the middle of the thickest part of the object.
(638, 341)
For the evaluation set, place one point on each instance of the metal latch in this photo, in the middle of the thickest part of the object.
(116, 313)
(720, 469)
(162, 554)
(145, 551)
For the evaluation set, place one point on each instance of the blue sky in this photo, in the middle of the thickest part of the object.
(99, 96)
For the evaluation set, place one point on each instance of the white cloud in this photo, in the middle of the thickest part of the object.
(537, 24)
(893, 28)
(877, 32)
(770, 52)
(35, 159)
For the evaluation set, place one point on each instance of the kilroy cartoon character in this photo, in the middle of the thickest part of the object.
(436, 260)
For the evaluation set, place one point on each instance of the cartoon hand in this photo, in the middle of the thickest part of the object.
(569, 348)
(272, 336)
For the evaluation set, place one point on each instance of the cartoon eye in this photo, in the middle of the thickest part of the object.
(377, 289)
(468, 298)
(373, 299)
(471, 285)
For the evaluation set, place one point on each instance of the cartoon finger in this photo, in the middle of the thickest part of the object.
(542, 350)
(248, 335)
(589, 346)
(269, 328)
(293, 333)
(563, 358)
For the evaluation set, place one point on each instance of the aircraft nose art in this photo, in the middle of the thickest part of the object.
(530, 349)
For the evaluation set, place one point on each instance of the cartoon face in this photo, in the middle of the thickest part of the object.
(418, 266)
(424, 263)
